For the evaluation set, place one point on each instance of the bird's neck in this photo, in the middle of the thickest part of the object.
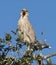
(24, 18)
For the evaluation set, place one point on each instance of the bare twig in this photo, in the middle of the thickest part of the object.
(38, 56)
(50, 55)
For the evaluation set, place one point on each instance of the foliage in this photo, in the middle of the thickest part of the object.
(28, 57)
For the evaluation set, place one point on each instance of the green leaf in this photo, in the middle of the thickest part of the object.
(7, 37)
(39, 45)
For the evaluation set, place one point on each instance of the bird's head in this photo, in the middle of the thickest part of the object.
(24, 13)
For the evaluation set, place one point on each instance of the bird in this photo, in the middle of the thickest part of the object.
(25, 29)
(26, 33)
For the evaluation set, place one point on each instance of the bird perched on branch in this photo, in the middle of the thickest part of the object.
(25, 29)
(26, 32)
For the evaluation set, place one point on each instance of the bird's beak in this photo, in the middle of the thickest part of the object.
(23, 13)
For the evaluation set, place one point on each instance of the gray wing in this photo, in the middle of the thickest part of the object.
(29, 31)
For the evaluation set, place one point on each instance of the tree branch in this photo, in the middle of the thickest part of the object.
(38, 56)
(50, 55)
